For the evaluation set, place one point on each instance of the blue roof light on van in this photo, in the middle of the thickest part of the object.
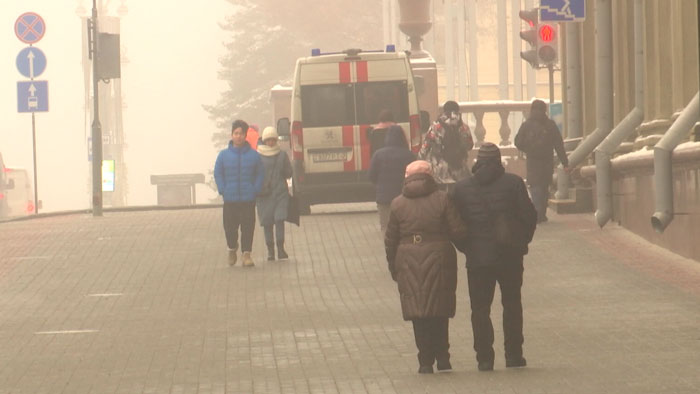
(316, 52)
(391, 48)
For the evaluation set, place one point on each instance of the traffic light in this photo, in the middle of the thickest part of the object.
(547, 43)
(530, 35)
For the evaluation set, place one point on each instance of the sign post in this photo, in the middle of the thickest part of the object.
(32, 95)
(96, 126)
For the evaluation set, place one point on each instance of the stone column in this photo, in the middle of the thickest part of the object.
(415, 22)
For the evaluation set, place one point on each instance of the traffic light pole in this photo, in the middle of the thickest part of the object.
(96, 126)
(550, 67)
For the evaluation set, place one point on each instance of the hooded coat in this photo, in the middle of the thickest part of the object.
(478, 199)
(272, 204)
(388, 165)
(421, 258)
(433, 147)
(540, 164)
(238, 173)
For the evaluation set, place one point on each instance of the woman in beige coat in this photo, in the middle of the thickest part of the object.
(423, 224)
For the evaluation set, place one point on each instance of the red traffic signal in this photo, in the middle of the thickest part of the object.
(546, 33)
(529, 16)
(547, 44)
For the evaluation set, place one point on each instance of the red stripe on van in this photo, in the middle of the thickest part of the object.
(365, 147)
(349, 142)
(344, 72)
(361, 71)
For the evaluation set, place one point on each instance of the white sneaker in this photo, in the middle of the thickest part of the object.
(247, 261)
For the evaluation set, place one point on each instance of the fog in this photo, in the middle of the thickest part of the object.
(173, 50)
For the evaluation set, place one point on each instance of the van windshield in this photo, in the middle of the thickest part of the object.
(327, 105)
(348, 104)
(373, 97)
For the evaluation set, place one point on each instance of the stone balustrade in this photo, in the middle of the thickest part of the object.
(503, 107)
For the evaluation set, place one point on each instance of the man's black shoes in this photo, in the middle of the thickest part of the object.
(425, 369)
(485, 366)
(516, 362)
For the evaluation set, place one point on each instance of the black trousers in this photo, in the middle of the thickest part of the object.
(482, 285)
(239, 214)
(432, 339)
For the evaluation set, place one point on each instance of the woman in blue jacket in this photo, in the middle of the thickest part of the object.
(239, 175)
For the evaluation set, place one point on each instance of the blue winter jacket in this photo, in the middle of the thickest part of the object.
(388, 165)
(239, 173)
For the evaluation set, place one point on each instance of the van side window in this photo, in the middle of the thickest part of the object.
(373, 97)
(327, 105)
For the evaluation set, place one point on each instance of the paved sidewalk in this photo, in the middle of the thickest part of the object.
(144, 302)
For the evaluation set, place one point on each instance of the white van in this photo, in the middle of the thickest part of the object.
(18, 196)
(336, 98)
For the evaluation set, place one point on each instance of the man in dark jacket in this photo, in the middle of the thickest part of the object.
(239, 175)
(537, 136)
(480, 200)
(387, 169)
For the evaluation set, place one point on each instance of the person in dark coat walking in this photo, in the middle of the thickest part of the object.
(422, 224)
(273, 199)
(387, 169)
(537, 136)
(480, 200)
(239, 175)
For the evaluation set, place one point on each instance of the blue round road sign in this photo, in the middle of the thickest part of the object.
(30, 27)
(31, 62)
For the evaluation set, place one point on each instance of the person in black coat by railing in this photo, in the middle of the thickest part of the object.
(537, 136)
(480, 200)
(387, 169)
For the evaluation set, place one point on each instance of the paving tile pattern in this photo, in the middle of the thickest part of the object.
(144, 302)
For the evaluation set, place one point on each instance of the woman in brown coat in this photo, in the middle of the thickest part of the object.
(423, 223)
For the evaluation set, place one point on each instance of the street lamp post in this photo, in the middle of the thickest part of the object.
(96, 126)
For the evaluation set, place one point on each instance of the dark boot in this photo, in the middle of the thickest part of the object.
(270, 252)
(281, 254)
(425, 369)
(443, 362)
(515, 362)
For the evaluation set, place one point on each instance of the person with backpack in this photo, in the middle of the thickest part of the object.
(500, 222)
(446, 146)
(537, 136)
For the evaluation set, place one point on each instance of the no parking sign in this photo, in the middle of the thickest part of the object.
(30, 27)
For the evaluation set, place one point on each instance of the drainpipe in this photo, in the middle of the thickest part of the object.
(663, 164)
(604, 92)
(604, 152)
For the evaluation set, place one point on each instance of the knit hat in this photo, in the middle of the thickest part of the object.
(419, 167)
(269, 132)
(489, 150)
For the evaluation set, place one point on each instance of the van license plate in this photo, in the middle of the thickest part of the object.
(328, 156)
